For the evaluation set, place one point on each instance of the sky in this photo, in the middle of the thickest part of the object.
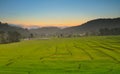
(56, 12)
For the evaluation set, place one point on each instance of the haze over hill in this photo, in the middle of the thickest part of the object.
(88, 27)
(45, 31)
(92, 26)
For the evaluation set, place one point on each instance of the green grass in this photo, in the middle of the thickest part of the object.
(84, 55)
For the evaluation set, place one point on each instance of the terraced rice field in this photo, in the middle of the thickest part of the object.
(83, 55)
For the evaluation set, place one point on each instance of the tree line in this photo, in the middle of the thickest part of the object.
(107, 31)
(9, 37)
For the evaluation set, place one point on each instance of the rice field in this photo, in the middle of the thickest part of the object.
(81, 55)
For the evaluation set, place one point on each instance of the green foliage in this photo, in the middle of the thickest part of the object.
(8, 37)
(2, 37)
(83, 55)
(13, 36)
(113, 31)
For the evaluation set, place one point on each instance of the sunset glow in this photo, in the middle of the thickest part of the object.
(56, 12)
(48, 22)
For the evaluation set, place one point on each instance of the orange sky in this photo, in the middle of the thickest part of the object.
(56, 12)
(58, 23)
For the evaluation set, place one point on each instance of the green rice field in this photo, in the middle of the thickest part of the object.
(81, 55)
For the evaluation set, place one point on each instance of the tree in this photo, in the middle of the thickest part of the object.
(14, 36)
(31, 36)
(104, 31)
(113, 31)
(2, 38)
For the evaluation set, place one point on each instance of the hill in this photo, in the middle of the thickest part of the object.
(9, 27)
(89, 28)
(45, 31)
(93, 26)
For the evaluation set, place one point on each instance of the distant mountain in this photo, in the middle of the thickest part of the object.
(93, 26)
(45, 31)
(89, 27)
(9, 27)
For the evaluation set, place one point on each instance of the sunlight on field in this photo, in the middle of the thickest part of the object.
(84, 55)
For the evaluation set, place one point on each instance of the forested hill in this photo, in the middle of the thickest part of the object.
(7, 27)
(45, 31)
(93, 26)
(104, 26)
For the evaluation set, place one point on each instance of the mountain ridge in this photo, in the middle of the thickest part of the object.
(92, 26)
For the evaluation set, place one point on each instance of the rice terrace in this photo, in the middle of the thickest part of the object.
(59, 36)
(84, 55)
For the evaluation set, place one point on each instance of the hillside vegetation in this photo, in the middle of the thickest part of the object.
(92, 27)
(108, 26)
(6, 27)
